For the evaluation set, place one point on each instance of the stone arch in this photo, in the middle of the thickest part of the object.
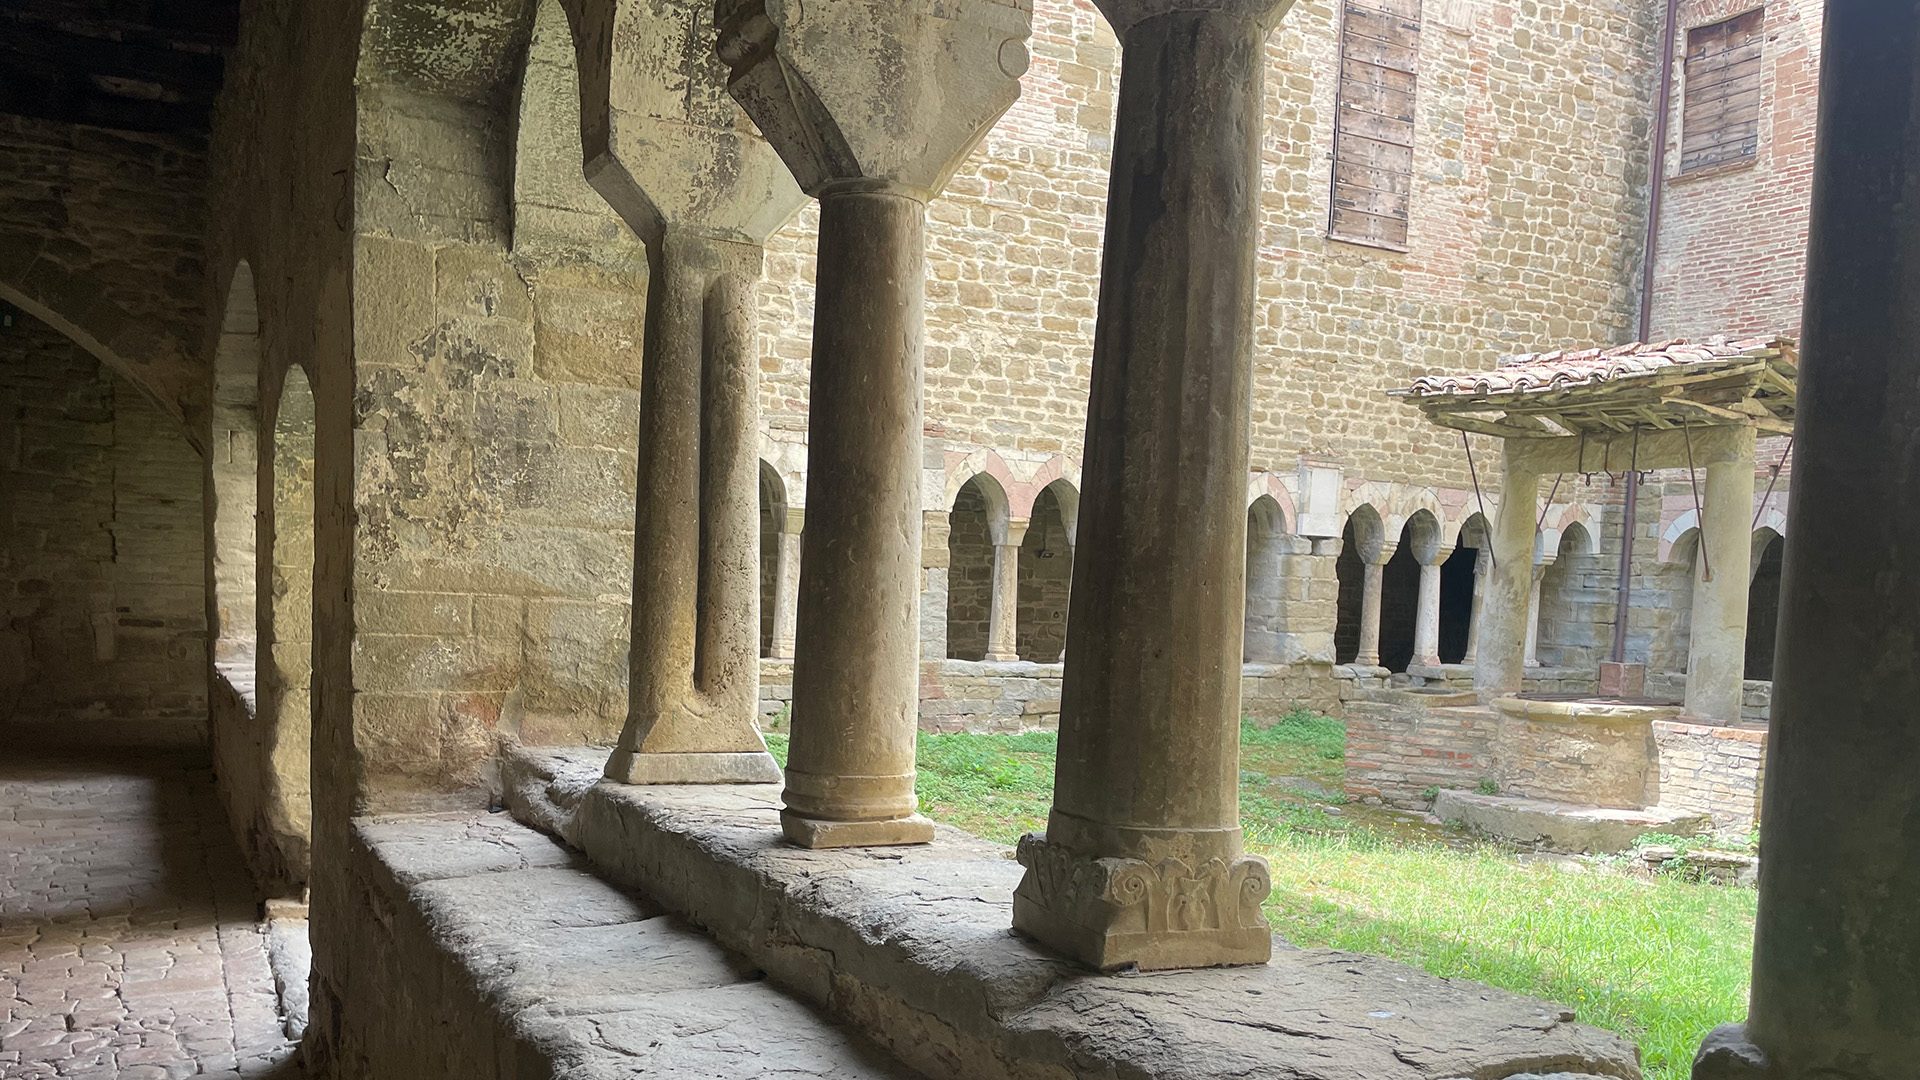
(1266, 545)
(977, 522)
(1360, 542)
(1400, 588)
(138, 349)
(1459, 584)
(773, 513)
(1046, 575)
(554, 208)
(1574, 619)
(284, 622)
(1763, 602)
(233, 488)
(1673, 582)
(1671, 549)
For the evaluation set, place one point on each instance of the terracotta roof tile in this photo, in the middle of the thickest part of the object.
(1561, 370)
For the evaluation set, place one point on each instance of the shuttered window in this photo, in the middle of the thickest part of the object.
(1373, 123)
(1721, 118)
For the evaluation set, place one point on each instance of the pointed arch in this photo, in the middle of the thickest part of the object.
(1266, 532)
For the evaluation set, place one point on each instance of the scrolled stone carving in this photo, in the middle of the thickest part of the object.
(1135, 899)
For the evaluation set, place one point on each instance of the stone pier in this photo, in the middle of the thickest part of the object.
(872, 107)
(1501, 651)
(703, 194)
(1142, 862)
(1837, 945)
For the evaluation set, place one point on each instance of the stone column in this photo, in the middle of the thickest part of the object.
(1717, 639)
(872, 105)
(786, 582)
(1480, 564)
(1426, 626)
(1003, 625)
(1371, 584)
(1838, 936)
(703, 195)
(1142, 861)
(1500, 661)
(1533, 612)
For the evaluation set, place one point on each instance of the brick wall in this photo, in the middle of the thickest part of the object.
(1732, 244)
(1046, 571)
(969, 576)
(1712, 770)
(104, 594)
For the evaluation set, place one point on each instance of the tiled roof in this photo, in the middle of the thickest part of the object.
(1565, 370)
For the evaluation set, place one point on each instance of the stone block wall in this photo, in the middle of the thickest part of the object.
(1713, 770)
(104, 587)
(107, 231)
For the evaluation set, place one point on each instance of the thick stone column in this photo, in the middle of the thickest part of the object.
(1142, 861)
(1533, 611)
(872, 104)
(786, 582)
(660, 145)
(1717, 640)
(1500, 662)
(1837, 948)
(1426, 626)
(1003, 625)
(1372, 582)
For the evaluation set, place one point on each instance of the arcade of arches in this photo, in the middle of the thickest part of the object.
(475, 434)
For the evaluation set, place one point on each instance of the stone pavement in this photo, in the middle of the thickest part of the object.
(130, 945)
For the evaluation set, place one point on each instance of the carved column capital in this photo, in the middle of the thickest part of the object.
(875, 95)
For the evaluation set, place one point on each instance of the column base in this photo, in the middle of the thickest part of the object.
(820, 833)
(632, 767)
(1114, 913)
(1725, 1054)
(1001, 657)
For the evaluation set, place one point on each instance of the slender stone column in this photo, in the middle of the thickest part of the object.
(1717, 639)
(703, 194)
(786, 582)
(871, 105)
(1142, 861)
(1372, 582)
(1837, 946)
(1533, 613)
(1500, 663)
(1426, 625)
(1003, 626)
(1481, 562)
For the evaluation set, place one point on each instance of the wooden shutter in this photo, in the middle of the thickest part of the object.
(1720, 122)
(1373, 122)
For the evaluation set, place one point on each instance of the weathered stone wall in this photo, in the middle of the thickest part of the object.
(1046, 572)
(100, 492)
(1713, 770)
(102, 234)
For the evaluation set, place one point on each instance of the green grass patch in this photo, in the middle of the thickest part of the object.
(1660, 961)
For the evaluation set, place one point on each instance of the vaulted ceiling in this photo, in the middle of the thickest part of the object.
(132, 65)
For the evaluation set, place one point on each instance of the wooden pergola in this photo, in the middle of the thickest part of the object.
(1671, 404)
(1640, 387)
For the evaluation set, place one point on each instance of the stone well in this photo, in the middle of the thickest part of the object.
(1589, 751)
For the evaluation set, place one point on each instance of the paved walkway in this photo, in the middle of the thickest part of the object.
(129, 940)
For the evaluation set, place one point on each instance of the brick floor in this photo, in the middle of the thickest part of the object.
(130, 945)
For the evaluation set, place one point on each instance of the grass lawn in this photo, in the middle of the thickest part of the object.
(1660, 961)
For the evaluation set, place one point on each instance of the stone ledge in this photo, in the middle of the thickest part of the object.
(913, 947)
(488, 952)
(1563, 826)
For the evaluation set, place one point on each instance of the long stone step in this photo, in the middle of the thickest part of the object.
(493, 953)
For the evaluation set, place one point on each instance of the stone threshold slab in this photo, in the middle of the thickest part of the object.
(913, 947)
(1562, 826)
(490, 952)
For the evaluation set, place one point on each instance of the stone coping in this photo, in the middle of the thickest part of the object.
(913, 946)
(1585, 711)
(502, 956)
